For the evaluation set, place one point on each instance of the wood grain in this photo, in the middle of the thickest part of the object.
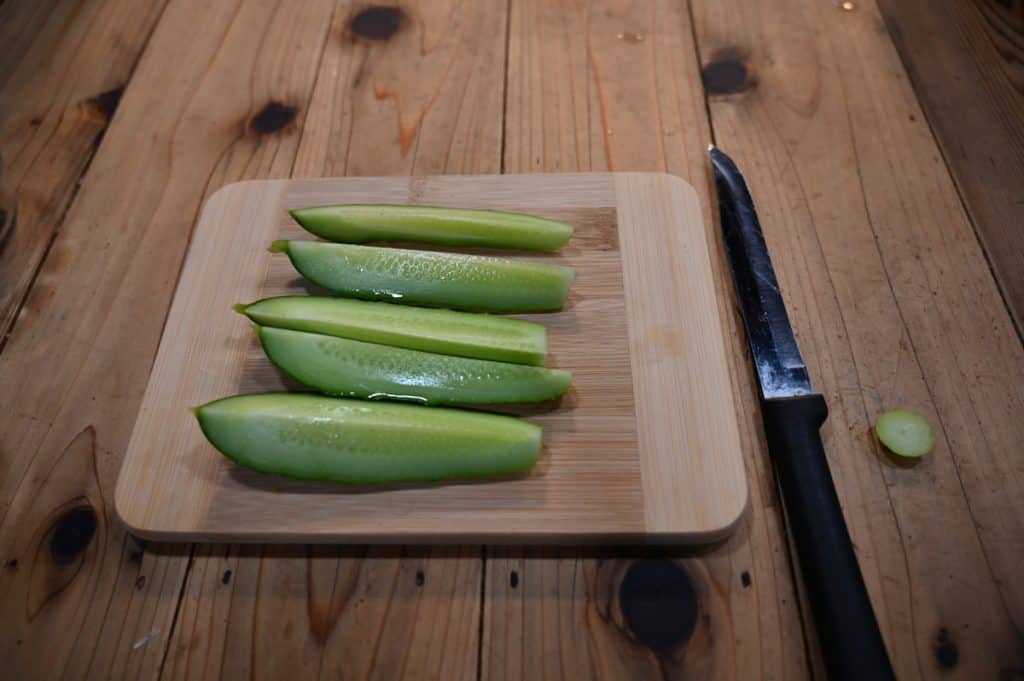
(81, 599)
(365, 612)
(893, 306)
(604, 85)
(661, 475)
(966, 62)
(548, 613)
(84, 54)
(328, 612)
(682, 393)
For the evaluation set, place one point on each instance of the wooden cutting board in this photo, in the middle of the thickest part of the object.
(645, 447)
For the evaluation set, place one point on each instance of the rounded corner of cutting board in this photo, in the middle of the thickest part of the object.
(144, 507)
(730, 508)
(668, 181)
(127, 510)
(707, 521)
(133, 519)
(230, 190)
(730, 515)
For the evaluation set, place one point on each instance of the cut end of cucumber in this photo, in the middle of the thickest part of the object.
(562, 379)
(302, 216)
(279, 246)
(239, 308)
(904, 433)
(564, 230)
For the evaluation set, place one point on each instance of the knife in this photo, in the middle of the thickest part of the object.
(851, 643)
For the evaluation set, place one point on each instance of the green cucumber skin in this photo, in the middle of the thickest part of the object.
(351, 368)
(469, 282)
(325, 438)
(466, 334)
(358, 224)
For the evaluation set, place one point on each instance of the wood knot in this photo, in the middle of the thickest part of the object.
(376, 23)
(946, 653)
(273, 117)
(659, 604)
(72, 533)
(727, 73)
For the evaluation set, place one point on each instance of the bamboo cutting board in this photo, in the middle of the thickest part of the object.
(645, 447)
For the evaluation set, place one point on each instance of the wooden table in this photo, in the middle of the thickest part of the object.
(880, 141)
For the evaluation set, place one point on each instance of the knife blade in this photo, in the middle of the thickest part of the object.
(851, 642)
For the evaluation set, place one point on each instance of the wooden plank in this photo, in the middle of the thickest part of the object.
(893, 306)
(328, 612)
(435, 88)
(615, 86)
(81, 599)
(62, 71)
(964, 60)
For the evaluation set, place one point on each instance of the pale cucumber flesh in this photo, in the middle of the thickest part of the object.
(326, 438)
(351, 368)
(470, 282)
(447, 332)
(427, 224)
(904, 433)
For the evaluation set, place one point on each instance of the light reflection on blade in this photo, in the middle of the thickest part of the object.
(780, 368)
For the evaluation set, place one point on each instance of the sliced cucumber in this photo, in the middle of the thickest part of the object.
(905, 433)
(351, 368)
(465, 334)
(358, 224)
(443, 279)
(325, 438)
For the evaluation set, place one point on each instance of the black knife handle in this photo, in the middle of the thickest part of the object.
(851, 642)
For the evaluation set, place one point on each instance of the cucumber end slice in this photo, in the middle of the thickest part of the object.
(279, 246)
(240, 308)
(565, 231)
(302, 215)
(904, 433)
(562, 381)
